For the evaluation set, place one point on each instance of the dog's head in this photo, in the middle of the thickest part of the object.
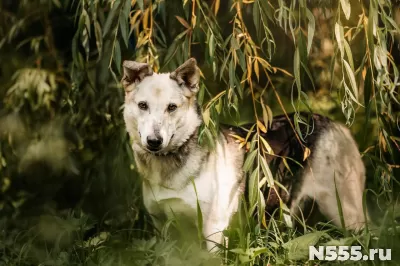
(160, 111)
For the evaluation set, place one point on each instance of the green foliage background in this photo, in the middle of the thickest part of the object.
(69, 191)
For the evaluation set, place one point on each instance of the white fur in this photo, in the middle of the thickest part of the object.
(159, 91)
(214, 188)
(217, 187)
(336, 160)
(217, 174)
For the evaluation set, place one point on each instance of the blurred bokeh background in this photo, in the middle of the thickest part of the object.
(69, 193)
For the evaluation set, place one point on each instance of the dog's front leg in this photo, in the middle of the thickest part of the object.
(213, 232)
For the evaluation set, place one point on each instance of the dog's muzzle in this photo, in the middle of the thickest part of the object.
(154, 143)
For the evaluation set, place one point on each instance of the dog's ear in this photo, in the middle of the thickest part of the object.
(188, 74)
(134, 72)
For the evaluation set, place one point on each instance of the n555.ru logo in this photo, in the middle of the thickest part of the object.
(343, 253)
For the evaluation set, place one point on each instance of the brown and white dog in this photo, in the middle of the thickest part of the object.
(163, 118)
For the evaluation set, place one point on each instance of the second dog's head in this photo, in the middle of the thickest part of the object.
(160, 111)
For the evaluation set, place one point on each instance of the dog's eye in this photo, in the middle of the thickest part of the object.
(143, 106)
(172, 107)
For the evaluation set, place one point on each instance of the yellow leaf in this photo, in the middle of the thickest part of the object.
(264, 63)
(307, 153)
(348, 35)
(206, 117)
(201, 74)
(265, 115)
(270, 115)
(145, 19)
(237, 137)
(284, 71)
(382, 142)
(256, 70)
(264, 222)
(183, 22)
(364, 73)
(261, 126)
(242, 145)
(194, 17)
(267, 146)
(134, 17)
(248, 69)
(216, 7)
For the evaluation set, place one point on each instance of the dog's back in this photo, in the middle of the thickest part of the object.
(309, 164)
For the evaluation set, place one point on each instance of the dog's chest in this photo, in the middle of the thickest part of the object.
(216, 182)
(166, 202)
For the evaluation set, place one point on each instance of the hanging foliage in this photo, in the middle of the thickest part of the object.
(65, 159)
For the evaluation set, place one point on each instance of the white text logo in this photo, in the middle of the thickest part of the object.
(342, 253)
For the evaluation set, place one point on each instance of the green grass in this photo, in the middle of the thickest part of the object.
(69, 239)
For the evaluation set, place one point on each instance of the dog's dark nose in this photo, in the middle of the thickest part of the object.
(154, 143)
